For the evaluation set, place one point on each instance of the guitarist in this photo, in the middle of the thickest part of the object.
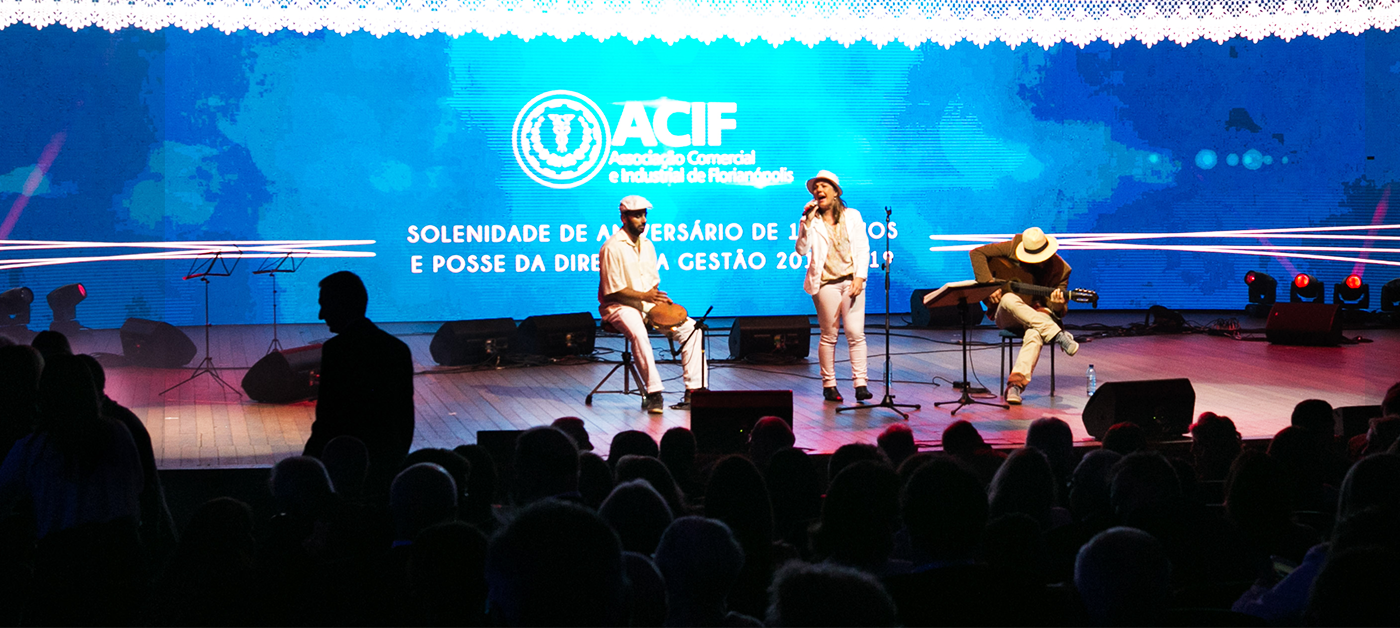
(1030, 258)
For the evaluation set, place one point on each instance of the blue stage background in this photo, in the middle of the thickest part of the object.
(178, 136)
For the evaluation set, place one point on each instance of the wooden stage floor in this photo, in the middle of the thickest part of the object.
(1255, 383)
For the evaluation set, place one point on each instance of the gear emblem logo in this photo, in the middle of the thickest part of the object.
(561, 139)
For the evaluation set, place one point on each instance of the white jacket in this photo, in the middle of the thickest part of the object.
(814, 241)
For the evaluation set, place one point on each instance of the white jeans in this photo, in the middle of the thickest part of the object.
(1013, 313)
(833, 300)
(630, 322)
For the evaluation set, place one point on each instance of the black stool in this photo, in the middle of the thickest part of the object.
(1009, 340)
(629, 372)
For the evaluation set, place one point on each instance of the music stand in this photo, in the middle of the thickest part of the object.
(214, 265)
(960, 294)
(888, 400)
(273, 266)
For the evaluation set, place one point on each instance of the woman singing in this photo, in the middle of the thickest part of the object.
(834, 239)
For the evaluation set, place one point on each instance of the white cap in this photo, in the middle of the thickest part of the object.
(634, 203)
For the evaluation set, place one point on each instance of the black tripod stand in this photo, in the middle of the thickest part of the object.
(961, 293)
(888, 400)
(217, 266)
(285, 264)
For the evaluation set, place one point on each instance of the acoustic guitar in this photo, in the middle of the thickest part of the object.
(1018, 280)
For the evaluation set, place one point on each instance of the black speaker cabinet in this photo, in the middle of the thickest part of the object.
(154, 343)
(471, 342)
(555, 335)
(1163, 407)
(920, 316)
(770, 337)
(721, 419)
(1315, 324)
(285, 376)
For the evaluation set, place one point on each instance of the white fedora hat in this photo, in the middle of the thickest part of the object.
(829, 177)
(1035, 246)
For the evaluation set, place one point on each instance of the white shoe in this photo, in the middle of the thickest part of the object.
(1013, 394)
(1066, 342)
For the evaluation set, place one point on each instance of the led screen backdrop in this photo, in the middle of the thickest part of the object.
(474, 178)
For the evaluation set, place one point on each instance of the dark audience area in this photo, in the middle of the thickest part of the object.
(1302, 530)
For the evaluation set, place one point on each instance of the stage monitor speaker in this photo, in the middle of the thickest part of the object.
(458, 343)
(920, 316)
(555, 335)
(154, 343)
(721, 419)
(285, 376)
(770, 337)
(500, 445)
(1162, 407)
(1312, 324)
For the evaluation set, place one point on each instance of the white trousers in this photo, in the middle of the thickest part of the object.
(833, 301)
(1013, 313)
(632, 324)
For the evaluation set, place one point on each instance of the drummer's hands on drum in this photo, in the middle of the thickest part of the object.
(655, 295)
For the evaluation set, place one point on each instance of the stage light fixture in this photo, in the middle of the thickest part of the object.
(1352, 294)
(1263, 293)
(1390, 296)
(14, 307)
(1306, 289)
(64, 302)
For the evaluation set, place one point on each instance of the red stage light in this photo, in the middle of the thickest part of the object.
(82, 290)
(1249, 277)
(1354, 282)
(1302, 280)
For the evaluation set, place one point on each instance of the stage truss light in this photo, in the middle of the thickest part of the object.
(64, 302)
(1390, 296)
(14, 307)
(1352, 294)
(1263, 293)
(1306, 289)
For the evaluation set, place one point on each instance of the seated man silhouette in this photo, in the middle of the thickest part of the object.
(366, 383)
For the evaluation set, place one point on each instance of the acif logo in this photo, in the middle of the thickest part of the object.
(561, 139)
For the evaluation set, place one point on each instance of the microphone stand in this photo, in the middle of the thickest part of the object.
(888, 400)
(704, 353)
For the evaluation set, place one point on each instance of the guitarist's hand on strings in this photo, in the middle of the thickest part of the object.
(1057, 298)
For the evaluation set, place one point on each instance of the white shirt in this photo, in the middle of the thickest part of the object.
(623, 264)
(814, 240)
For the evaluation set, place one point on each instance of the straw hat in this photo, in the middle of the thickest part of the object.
(1035, 246)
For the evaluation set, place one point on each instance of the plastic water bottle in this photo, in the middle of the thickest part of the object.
(1093, 382)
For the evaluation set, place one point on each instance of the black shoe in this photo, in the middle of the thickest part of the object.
(863, 393)
(654, 403)
(684, 403)
(831, 394)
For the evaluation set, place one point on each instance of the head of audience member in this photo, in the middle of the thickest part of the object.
(827, 594)
(1356, 587)
(1144, 489)
(422, 495)
(1299, 450)
(446, 574)
(1013, 546)
(1052, 437)
(481, 484)
(631, 443)
(1089, 486)
(1125, 438)
(1314, 415)
(638, 514)
(1024, 484)
(633, 467)
(699, 560)
(646, 591)
(851, 453)
(453, 463)
(70, 412)
(595, 479)
(219, 535)
(961, 439)
(795, 486)
(860, 516)
(346, 459)
(1390, 404)
(343, 300)
(1123, 577)
(945, 510)
(769, 435)
(20, 367)
(301, 487)
(677, 452)
(1257, 494)
(546, 465)
(50, 343)
(1214, 445)
(1373, 482)
(574, 427)
(738, 496)
(556, 564)
(897, 441)
(99, 374)
(912, 464)
(1383, 433)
